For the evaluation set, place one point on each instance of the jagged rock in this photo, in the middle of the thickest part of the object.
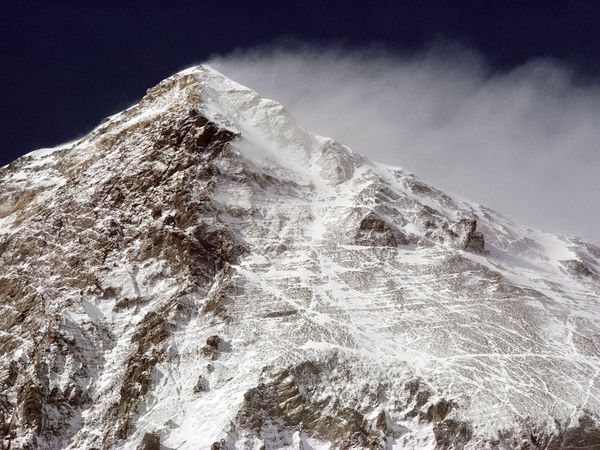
(452, 434)
(31, 399)
(440, 410)
(213, 342)
(373, 230)
(467, 237)
(150, 441)
(577, 267)
(337, 163)
(461, 234)
(584, 434)
(200, 385)
(211, 349)
(151, 331)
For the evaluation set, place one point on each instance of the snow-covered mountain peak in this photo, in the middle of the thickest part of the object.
(200, 271)
(270, 136)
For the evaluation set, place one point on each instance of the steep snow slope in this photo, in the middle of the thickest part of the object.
(201, 272)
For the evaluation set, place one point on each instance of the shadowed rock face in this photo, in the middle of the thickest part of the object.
(468, 237)
(149, 442)
(291, 398)
(201, 272)
(373, 230)
(579, 268)
(140, 204)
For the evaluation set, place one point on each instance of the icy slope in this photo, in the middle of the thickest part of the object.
(201, 272)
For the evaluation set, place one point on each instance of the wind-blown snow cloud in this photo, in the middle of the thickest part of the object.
(524, 141)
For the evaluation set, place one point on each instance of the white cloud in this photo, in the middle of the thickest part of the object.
(525, 141)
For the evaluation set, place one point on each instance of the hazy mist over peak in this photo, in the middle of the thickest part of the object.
(524, 141)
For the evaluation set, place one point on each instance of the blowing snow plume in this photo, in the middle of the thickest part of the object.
(524, 141)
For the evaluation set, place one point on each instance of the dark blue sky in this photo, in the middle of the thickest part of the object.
(66, 65)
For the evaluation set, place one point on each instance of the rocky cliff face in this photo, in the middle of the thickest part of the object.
(201, 272)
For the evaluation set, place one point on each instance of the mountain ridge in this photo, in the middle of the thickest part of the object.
(200, 271)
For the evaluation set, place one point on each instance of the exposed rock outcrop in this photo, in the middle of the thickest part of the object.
(374, 231)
